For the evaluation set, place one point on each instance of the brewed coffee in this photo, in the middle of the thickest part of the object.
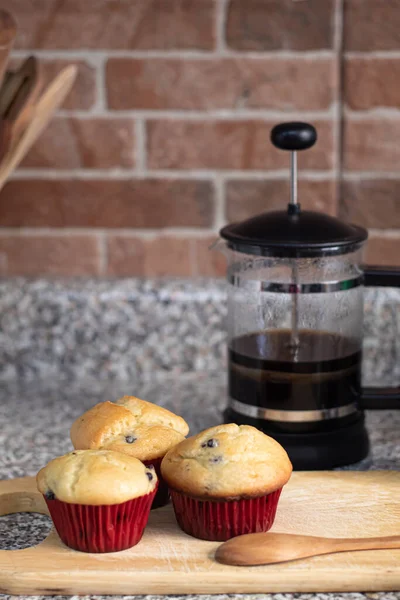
(322, 374)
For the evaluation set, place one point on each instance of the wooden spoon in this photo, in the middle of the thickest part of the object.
(268, 548)
(46, 106)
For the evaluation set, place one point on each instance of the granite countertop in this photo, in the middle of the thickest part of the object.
(66, 345)
(36, 416)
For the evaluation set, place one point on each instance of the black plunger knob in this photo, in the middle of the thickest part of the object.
(293, 136)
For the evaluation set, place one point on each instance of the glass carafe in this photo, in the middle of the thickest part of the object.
(295, 348)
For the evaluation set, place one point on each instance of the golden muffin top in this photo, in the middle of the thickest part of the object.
(95, 477)
(130, 425)
(227, 461)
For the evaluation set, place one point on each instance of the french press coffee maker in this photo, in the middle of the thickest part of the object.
(295, 320)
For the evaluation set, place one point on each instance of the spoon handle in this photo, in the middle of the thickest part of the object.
(376, 543)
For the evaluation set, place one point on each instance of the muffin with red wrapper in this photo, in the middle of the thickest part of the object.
(99, 500)
(226, 481)
(134, 427)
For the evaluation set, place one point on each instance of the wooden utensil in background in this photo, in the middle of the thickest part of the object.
(19, 94)
(47, 104)
(8, 31)
(269, 548)
(5, 137)
(12, 82)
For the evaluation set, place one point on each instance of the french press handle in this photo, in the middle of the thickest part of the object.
(376, 397)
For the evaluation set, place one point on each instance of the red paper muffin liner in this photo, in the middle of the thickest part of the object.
(101, 528)
(162, 496)
(220, 520)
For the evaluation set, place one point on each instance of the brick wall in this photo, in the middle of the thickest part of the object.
(165, 136)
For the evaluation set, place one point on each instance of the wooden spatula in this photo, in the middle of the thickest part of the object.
(19, 94)
(268, 548)
(47, 104)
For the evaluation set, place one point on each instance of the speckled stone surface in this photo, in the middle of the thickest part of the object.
(125, 329)
(67, 345)
(129, 329)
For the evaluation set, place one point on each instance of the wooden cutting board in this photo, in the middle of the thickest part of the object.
(350, 504)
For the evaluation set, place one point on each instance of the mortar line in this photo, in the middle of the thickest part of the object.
(194, 270)
(140, 146)
(370, 175)
(203, 115)
(150, 233)
(192, 174)
(103, 252)
(367, 54)
(220, 201)
(145, 233)
(52, 54)
(101, 103)
(372, 113)
(388, 234)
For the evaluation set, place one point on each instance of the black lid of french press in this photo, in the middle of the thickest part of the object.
(293, 232)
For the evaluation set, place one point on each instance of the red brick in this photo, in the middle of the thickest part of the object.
(164, 255)
(227, 144)
(125, 256)
(372, 82)
(371, 202)
(156, 83)
(140, 203)
(383, 251)
(371, 145)
(114, 24)
(280, 24)
(129, 255)
(208, 263)
(371, 25)
(33, 255)
(70, 143)
(245, 199)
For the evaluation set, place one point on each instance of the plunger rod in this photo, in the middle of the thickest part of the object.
(293, 178)
(294, 136)
(295, 298)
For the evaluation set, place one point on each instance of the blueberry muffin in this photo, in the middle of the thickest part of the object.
(134, 427)
(99, 500)
(226, 481)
